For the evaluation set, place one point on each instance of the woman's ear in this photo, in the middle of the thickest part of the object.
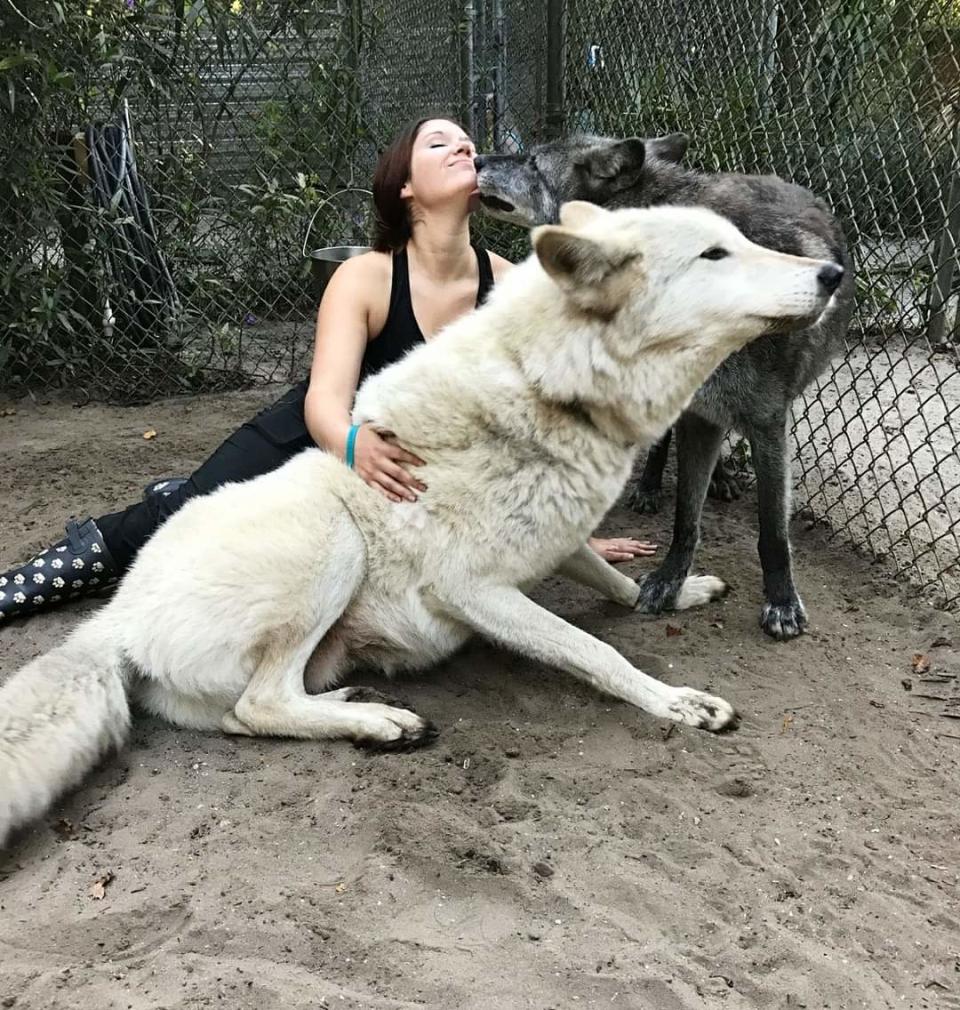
(406, 192)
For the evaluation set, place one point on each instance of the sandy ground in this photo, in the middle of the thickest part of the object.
(554, 849)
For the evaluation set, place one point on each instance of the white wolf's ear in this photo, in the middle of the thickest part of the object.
(578, 214)
(669, 148)
(587, 270)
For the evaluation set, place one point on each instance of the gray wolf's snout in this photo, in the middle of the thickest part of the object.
(829, 277)
(480, 161)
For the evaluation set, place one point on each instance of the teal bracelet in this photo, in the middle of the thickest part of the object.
(351, 442)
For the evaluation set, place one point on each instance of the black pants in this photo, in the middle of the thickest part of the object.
(257, 447)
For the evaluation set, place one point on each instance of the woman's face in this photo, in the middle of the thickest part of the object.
(441, 165)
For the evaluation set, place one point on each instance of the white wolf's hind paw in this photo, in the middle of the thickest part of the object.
(699, 589)
(231, 724)
(705, 711)
(386, 728)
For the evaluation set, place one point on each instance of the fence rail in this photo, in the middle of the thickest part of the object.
(169, 258)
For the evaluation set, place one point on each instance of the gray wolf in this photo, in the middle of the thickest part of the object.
(752, 390)
(528, 413)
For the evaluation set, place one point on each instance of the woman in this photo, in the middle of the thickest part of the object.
(423, 273)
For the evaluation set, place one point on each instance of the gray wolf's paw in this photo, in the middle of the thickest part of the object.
(784, 621)
(699, 589)
(657, 595)
(384, 727)
(644, 500)
(725, 483)
(704, 711)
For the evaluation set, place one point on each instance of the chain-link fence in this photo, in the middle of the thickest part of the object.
(168, 164)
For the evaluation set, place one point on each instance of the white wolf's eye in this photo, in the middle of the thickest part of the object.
(715, 252)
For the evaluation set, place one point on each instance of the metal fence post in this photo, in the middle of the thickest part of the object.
(556, 10)
(468, 74)
(768, 57)
(499, 74)
(948, 244)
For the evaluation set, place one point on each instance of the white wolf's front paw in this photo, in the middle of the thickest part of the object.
(705, 711)
(383, 727)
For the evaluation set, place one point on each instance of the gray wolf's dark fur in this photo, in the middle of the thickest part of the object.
(752, 390)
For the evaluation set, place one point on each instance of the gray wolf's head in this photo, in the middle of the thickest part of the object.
(528, 189)
(683, 276)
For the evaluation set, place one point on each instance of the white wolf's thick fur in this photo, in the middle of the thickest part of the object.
(249, 604)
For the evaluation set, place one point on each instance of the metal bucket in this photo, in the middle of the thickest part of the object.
(325, 262)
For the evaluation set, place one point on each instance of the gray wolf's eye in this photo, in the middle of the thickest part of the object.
(715, 253)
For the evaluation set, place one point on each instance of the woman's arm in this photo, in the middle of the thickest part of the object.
(343, 330)
(341, 338)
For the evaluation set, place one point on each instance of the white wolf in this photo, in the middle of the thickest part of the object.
(528, 413)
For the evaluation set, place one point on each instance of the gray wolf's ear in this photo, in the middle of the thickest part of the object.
(672, 147)
(578, 214)
(585, 269)
(616, 162)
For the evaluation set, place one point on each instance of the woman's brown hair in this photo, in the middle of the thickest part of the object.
(393, 226)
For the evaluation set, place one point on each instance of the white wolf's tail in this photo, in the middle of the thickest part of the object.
(58, 715)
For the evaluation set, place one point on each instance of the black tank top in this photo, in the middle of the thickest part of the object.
(401, 331)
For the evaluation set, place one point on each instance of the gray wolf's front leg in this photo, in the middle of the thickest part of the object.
(783, 615)
(698, 444)
(645, 498)
(512, 619)
(589, 569)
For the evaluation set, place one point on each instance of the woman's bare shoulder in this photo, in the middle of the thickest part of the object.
(361, 282)
(368, 266)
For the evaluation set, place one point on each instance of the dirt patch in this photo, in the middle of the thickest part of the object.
(555, 849)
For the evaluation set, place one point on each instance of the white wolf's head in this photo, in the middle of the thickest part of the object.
(686, 275)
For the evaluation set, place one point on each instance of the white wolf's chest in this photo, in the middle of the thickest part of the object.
(415, 553)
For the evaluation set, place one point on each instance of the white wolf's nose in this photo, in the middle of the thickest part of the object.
(829, 277)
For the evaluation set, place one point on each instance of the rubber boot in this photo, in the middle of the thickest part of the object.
(164, 486)
(79, 565)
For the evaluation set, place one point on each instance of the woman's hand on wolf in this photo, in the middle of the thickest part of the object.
(621, 549)
(382, 464)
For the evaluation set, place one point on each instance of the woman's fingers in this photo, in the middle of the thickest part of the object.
(389, 495)
(619, 549)
(390, 463)
(636, 548)
(394, 491)
(402, 455)
(405, 481)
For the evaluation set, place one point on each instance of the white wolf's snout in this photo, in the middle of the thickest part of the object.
(793, 288)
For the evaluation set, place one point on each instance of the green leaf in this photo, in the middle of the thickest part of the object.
(17, 60)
